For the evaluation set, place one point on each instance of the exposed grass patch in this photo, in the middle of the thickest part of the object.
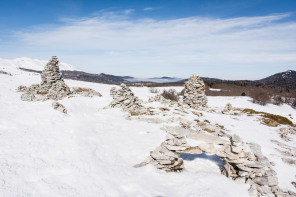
(42, 93)
(133, 113)
(164, 109)
(208, 130)
(81, 89)
(270, 119)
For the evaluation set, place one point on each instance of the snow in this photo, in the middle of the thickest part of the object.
(33, 64)
(92, 151)
(212, 89)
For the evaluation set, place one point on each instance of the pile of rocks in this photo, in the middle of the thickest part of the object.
(228, 109)
(251, 168)
(59, 107)
(165, 159)
(166, 156)
(87, 92)
(124, 98)
(175, 141)
(162, 100)
(194, 94)
(52, 85)
(213, 129)
(285, 132)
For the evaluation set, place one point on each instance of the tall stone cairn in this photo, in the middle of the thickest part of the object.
(52, 81)
(194, 94)
(52, 85)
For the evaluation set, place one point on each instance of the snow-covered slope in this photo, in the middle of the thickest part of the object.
(91, 151)
(33, 64)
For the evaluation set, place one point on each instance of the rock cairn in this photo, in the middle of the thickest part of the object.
(165, 159)
(175, 141)
(52, 85)
(59, 107)
(251, 168)
(194, 94)
(228, 109)
(52, 81)
(166, 156)
(124, 98)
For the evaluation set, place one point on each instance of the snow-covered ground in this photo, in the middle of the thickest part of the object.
(92, 151)
(33, 64)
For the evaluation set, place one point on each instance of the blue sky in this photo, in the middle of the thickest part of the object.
(226, 39)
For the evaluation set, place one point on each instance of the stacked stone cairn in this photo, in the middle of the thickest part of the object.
(124, 98)
(52, 81)
(52, 85)
(166, 156)
(175, 141)
(166, 159)
(228, 109)
(251, 168)
(194, 94)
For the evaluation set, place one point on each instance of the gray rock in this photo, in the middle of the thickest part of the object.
(57, 106)
(124, 98)
(253, 192)
(87, 92)
(52, 85)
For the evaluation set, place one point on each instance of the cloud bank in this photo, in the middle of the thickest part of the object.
(229, 48)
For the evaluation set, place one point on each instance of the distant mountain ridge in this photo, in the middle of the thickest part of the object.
(284, 79)
(89, 77)
(33, 64)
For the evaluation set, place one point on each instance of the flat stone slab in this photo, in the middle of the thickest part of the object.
(206, 138)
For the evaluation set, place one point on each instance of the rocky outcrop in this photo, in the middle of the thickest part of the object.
(194, 94)
(5, 73)
(286, 133)
(161, 99)
(21, 88)
(125, 99)
(59, 107)
(87, 92)
(213, 129)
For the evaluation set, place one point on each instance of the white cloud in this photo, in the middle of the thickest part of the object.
(194, 43)
(148, 9)
(129, 11)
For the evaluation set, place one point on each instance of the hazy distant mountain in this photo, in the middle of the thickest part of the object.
(206, 79)
(164, 79)
(33, 64)
(153, 79)
(285, 79)
(89, 77)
